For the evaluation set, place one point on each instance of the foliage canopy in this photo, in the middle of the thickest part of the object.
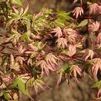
(32, 46)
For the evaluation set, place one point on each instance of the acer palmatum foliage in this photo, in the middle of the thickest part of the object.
(32, 46)
(76, 71)
(48, 64)
(78, 11)
(71, 35)
(94, 26)
(71, 50)
(88, 53)
(98, 38)
(58, 32)
(96, 66)
(61, 42)
(93, 8)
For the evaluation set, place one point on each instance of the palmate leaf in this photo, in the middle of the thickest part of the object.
(13, 64)
(40, 20)
(26, 37)
(65, 68)
(39, 45)
(19, 83)
(15, 36)
(62, 17)
(39, 23)
(7, 96)
(59, 22)
(36, 83)
(18, 2)
(83, 23)
(22, 15)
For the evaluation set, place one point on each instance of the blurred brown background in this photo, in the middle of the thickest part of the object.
(73, 91)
